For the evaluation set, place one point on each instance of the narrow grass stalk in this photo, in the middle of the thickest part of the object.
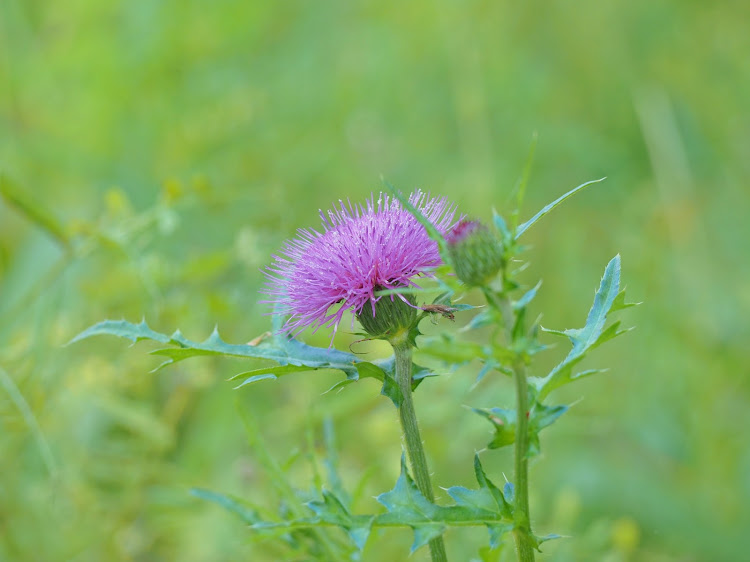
(273, 469)
(414, 447)
(6, 381)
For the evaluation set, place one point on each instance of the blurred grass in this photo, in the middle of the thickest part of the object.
(176, 144)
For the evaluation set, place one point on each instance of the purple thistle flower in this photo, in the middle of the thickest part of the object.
(362, 249)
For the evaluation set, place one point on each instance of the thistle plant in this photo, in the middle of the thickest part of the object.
(387, 265)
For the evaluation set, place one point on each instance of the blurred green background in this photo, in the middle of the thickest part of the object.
(156, 153)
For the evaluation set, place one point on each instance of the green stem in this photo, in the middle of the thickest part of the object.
(521, 518)
(522, 531)
(414, 448)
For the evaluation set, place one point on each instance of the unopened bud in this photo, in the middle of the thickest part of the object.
(476, 252)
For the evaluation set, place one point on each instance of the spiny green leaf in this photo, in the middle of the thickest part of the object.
(406, 504)
(529, 345)
(489, 365)
(367, 370)
(281, 349)
(525, 226)
(489, 554)
(359, 535)
(498, 532)
(608, 298)
(537, 541)
(458, 307)
(122, 329)
(545, 538)
(443, 298)
(407, 507)
(504, 422)
(519, 326)
(609, 333)
(542, 415)
(501, 503)
(384, 372)
(425, 533)
(524, 301)
(406, 500)
(503, 506)
(620, 304)
(290, 354)
(603, 301)
(267, 373)
(480, 500)
(331, 510)
(502, 228)
(392, 390)
(562, 333)
(587, 373)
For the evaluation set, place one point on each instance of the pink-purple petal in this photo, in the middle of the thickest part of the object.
(361, 248)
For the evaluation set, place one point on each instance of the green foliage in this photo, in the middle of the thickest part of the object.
(504, 422)
(292, 355)
(331, 511)
(176, 150)
(608, 299)
(500, 512)
(522, 425)
(547, 208)
(405, 506)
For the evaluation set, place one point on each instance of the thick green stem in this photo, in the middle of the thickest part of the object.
(521, 519)
(414, 448)
(522, 531)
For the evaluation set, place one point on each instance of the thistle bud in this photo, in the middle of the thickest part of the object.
(476, 252)
(389, 317)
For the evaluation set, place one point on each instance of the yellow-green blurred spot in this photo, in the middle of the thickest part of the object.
(625, 534)
(172, 190)
(567, 507)
(117, 203)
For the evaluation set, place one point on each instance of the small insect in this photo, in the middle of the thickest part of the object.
(256, 341)
(442, 309)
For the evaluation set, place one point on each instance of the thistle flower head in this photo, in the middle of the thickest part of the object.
(475, 252)
(361, 249)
